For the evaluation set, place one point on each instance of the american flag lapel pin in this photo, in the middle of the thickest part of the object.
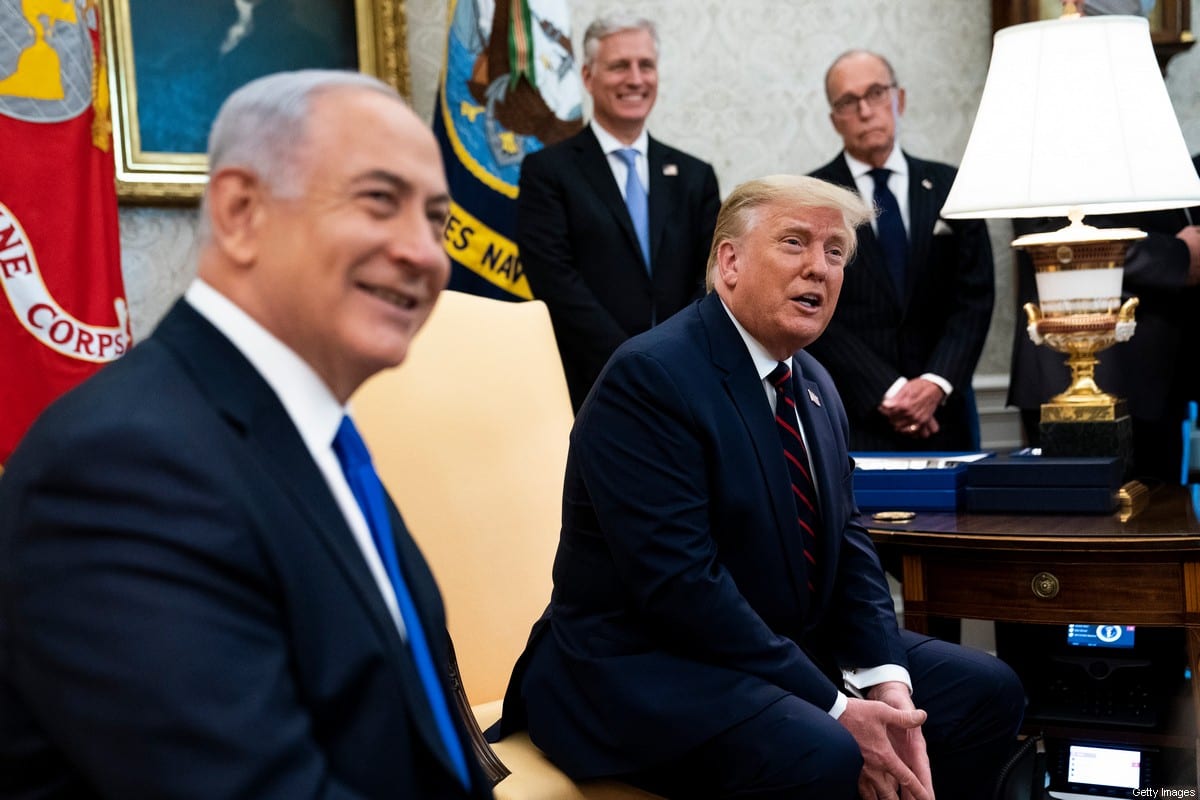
(813, 396)
(928, 184)
(670, 170)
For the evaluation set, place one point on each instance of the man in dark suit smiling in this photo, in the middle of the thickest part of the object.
(204, 591)
(720, 625)
(613, 225)
(917, 302)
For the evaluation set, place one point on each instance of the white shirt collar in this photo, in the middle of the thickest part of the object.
(314, 410)
(764, 362)
(611, 144)
(896, 162)
(309, 403)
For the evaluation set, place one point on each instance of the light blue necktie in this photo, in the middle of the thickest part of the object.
(637, 202)
(368, 491)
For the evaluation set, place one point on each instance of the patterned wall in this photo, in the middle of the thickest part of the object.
(741, 86)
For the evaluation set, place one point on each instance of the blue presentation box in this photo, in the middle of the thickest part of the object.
(1041, 500)
(911, 481)
(1023, 469)
(908, 499)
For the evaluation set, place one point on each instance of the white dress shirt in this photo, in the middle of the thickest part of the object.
(897, 181)
(856, 680)
(611, 144)
(309, 403)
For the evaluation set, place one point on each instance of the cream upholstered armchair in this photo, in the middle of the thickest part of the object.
(470, 437)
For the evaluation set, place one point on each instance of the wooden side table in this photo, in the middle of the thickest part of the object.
(1058, 569)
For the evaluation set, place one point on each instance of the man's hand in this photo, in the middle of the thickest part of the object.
(888, 733)
(911, 410)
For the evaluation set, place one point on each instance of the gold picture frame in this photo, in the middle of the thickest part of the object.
(1170, 22)
(157, 163)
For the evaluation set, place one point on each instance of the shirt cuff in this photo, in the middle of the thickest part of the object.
(839, 705)
(895, 387)
(859, 680)
(941, 382)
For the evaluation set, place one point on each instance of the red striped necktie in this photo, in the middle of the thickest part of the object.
(804, 492)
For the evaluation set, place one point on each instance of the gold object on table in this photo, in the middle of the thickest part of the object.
(1079, 272)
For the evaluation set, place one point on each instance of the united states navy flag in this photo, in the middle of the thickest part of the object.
(509, 87)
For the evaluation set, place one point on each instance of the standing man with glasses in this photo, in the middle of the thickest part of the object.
(612, 224)
(917, 301)
(204, 590)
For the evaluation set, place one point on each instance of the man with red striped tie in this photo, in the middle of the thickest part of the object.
(720, 625)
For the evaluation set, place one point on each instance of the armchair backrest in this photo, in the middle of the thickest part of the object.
(470, 437)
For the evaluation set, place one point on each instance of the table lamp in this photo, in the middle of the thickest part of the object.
(1075, 119)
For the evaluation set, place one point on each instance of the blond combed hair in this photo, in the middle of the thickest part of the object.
(801, 191)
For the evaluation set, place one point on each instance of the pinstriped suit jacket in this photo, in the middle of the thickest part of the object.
(938, 326)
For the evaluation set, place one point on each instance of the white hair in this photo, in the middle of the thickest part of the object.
(263, 124)
(616, 22)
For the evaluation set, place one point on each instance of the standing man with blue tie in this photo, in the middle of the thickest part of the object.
(204, 590)
(613, 225)
(917, 302)
(720, 626)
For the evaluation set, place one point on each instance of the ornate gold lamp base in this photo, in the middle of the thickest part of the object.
(1079, 273)
(1080, 337)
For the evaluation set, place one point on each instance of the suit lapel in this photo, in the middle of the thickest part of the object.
(248, 403)
(594, 166)
(663, 188)
(823, 448)
(922, 217)
(745, 389)
(425, 597)
(870, 254)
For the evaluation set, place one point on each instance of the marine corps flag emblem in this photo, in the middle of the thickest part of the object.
(509, 87)
(62, 312)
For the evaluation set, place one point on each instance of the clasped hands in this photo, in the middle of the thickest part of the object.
(910, 410)
(887, 728)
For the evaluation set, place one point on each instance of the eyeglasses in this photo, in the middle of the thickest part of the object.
(876, 95)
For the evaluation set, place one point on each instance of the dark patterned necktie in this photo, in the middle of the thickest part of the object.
(360, 473)
(893, 239)
(804, 492)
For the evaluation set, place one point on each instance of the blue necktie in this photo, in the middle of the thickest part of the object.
(892, 237)
(637, 202)
(368, 491)
(804, 492)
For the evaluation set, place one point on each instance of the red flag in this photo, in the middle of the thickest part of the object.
(63, 313)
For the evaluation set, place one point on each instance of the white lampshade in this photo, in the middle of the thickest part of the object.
(1074, 116)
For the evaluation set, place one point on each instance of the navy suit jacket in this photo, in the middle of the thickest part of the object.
(680, 603)
(938, 326)
(183, 609)
(582, 257)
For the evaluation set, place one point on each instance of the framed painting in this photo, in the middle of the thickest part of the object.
(169, 71)
(1170, 22)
